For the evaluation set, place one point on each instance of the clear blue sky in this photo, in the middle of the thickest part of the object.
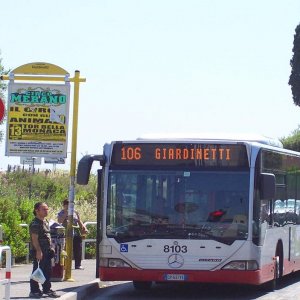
(162, 65)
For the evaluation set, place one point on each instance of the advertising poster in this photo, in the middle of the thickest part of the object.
(37, 119)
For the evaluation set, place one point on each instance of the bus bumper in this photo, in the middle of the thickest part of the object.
(218, 276)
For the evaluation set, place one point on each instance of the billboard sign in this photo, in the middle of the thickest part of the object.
(30, 160)
(54, 160)
(37, 119)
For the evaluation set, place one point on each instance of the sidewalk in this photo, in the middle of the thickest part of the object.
(84, 282)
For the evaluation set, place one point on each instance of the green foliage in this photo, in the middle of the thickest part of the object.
(14, 234)
(294, 80)
(92, 232)
(90, 250)
(26, 210)
(292, 141)
(20, 190)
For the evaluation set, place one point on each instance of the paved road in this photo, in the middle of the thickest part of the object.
(288, 289)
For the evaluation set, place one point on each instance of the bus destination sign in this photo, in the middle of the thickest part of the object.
(183, 154)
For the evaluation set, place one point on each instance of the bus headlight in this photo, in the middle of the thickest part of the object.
(242, 265)
(113, 263)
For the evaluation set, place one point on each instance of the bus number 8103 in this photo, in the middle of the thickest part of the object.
(175, 249)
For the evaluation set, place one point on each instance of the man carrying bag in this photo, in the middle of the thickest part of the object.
(41, 251)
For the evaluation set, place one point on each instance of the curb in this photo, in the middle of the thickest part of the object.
(82, 292)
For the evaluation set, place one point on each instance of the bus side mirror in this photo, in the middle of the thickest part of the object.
(267, 186)
(84, 167)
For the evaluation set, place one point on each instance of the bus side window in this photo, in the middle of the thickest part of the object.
(290, 213)
(297, 211)
(265, 211)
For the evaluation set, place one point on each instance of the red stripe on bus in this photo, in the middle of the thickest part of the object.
(266, 273)
(219, 276)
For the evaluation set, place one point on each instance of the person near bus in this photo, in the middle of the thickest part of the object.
(41, 251)
(79, 230)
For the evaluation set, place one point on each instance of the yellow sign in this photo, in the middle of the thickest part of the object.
(37, 120)
(40, 68)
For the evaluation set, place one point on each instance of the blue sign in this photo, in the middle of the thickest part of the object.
(124, 248)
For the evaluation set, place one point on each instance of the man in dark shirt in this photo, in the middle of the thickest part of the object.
(41, 250)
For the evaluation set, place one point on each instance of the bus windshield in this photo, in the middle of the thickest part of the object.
(178, 204)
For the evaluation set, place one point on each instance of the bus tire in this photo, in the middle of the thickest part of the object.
(278, 267)
(274, 282)
(279, 254)
(142, 285)
(271, 285)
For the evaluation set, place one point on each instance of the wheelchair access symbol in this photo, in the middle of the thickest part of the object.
(124, 248)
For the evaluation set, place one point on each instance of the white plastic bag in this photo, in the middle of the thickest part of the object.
(38, 275)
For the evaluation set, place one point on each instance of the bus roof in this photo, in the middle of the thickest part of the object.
(212, 137)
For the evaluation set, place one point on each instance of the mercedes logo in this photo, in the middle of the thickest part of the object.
(175, 261)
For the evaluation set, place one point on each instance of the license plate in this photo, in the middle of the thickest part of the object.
(175, 277)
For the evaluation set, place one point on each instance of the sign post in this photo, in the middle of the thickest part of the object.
(37, 123)
(69, 236)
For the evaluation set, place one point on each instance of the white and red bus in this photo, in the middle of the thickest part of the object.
(195, 209)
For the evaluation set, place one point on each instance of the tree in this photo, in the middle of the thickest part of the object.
(294, 81)
(292, 141)
(16, 208)
(3, 87)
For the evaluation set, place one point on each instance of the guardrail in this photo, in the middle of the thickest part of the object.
(7, 279)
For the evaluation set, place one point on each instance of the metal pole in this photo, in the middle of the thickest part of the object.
(32, 172)
(33, 165)
(69, 233)
(7, 279)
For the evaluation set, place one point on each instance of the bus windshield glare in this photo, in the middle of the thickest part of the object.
(148, 204)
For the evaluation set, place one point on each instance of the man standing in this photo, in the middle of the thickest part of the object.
(79, 229)
(41, 250)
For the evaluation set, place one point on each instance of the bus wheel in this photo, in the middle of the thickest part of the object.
(271, 286)
(142, 285)
(274, 282)
(278, 261)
